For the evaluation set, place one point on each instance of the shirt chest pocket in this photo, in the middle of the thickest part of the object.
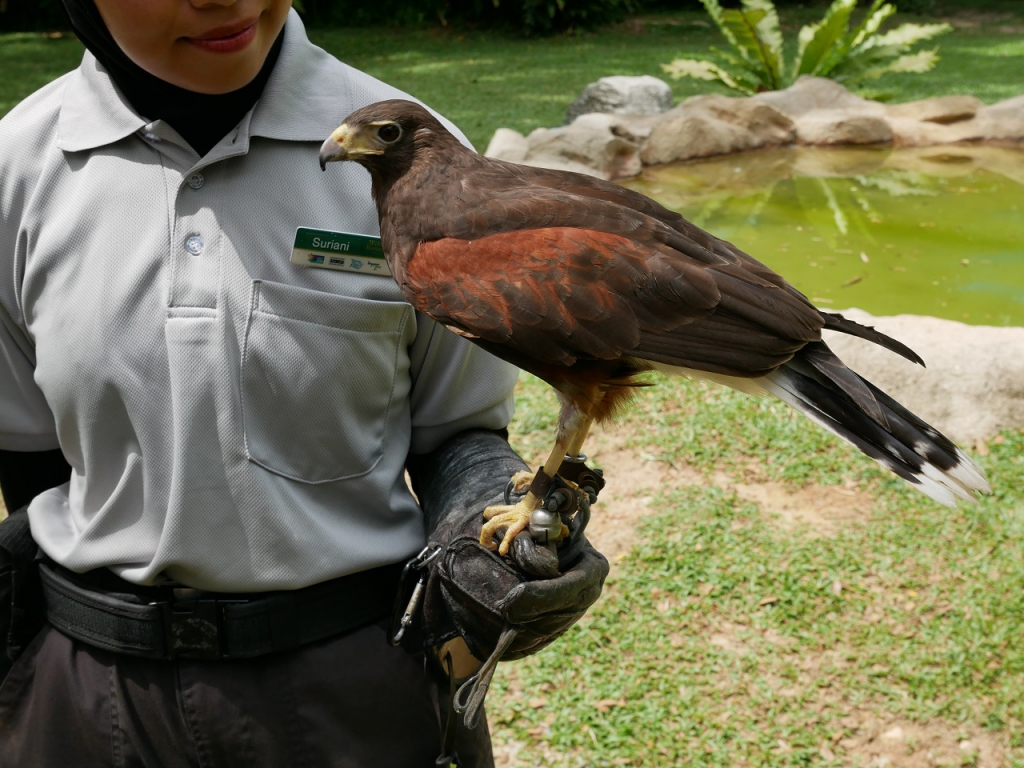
(318, 380)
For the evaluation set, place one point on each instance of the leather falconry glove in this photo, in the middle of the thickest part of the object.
(504, 608)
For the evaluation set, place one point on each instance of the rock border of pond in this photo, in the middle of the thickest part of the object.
(974, 384)
(813, 111)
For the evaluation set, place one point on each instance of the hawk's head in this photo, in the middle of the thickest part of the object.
(385, 134)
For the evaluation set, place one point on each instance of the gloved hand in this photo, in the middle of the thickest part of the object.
(504, 608)
(482, 594)
(512, 605)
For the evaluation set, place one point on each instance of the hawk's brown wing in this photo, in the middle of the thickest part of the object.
(562, 294)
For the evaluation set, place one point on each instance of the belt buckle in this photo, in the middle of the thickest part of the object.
(194, 627)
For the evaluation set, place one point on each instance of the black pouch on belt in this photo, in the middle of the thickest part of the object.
(22, 611)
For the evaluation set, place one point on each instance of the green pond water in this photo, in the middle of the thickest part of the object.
(935, 231)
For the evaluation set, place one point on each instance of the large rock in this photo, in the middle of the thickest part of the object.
(715, 125)
(622, 95)
(942, 110)
(507, 144)
(808, 94)
(973, 385)
(956, 119)
(635, 128)
(766, 124)
(683, 136)
(909, 132)
(944, 120)
(813, 112)
(597, 145)
(590, 141)
(839, 126)
(826, 113)
(1004, 121)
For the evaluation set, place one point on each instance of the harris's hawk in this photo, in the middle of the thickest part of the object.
(587, 285)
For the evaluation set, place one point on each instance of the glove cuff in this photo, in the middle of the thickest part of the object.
(454, 483)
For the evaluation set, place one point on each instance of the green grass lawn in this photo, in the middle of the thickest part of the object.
(485, 80)
(28, 61)
(726, 639)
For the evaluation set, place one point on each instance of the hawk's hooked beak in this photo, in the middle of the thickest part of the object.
(334, 148)
(346, 144)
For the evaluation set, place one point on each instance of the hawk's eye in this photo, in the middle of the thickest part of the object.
(389, 133)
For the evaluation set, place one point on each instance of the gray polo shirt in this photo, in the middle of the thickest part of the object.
(234, 421)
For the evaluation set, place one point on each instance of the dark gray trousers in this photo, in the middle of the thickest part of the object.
(348, 702)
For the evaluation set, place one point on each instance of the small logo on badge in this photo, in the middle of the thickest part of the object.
(316, 258)
(336, 262)
(356, 264)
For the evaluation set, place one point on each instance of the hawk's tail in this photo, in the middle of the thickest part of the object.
(818, 384)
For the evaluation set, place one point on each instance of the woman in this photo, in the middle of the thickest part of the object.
(237, 425)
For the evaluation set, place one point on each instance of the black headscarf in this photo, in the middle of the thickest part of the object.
(201, 119)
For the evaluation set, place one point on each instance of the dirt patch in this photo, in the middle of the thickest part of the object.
(879, 743)
(728, 636)
(820, 511)
(634, 481)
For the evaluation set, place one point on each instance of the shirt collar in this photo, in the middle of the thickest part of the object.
(93, 113)
(308, 93)
(306, 98)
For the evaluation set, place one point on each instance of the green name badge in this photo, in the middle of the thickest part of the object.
(344, 251)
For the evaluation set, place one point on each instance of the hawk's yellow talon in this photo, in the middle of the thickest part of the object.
(521, 481)
(514, 519)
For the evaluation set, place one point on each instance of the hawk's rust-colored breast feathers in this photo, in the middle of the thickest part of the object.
(585, 283)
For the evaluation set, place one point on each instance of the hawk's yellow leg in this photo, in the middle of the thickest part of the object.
(576, 446)
(573, 427)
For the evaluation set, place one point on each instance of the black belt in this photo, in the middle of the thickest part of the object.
(208, 625)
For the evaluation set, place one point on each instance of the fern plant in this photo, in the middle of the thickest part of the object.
(829, 48)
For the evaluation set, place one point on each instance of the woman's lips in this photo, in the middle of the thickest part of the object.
(225, 40)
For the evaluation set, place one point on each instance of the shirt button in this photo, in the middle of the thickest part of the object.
(196, 180)
(194, 245)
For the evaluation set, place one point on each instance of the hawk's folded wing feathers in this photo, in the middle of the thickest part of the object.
(560, 294)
